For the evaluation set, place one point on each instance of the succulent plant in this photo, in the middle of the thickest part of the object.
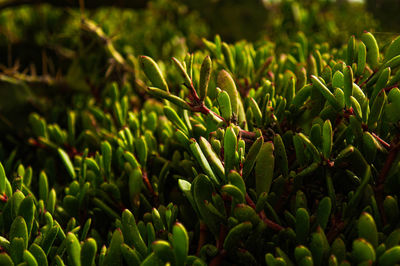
(238, 156)
(281, 152)
(302, 148)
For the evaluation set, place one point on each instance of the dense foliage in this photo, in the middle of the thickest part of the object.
(280, 152)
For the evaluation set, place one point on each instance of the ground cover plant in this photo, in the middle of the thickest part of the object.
(242, 153)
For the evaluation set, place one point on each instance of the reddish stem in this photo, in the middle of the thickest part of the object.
(390, 87)
(148, 184)
(200, 107)
(218, 259)
(197, 104)
(274, 226)
(262, 69)
(251, 136)
(250, 201)
(263, 216)
(202, 237)
(369, 78)
(394, 149)
(194, 92)
(381, 141)
(335, 231)
(221, 237)
(247, 134)
(382, 177)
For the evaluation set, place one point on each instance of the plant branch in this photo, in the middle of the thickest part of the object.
(394, 150)
(335, 230)
(381, 141)
(202, 237)
(274, 226)
(148, 184)
(379, 189)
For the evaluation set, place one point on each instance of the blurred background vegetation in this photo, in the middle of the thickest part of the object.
(53, 53)
(33, 29)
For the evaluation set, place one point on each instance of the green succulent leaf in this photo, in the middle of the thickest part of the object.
(264, 168)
